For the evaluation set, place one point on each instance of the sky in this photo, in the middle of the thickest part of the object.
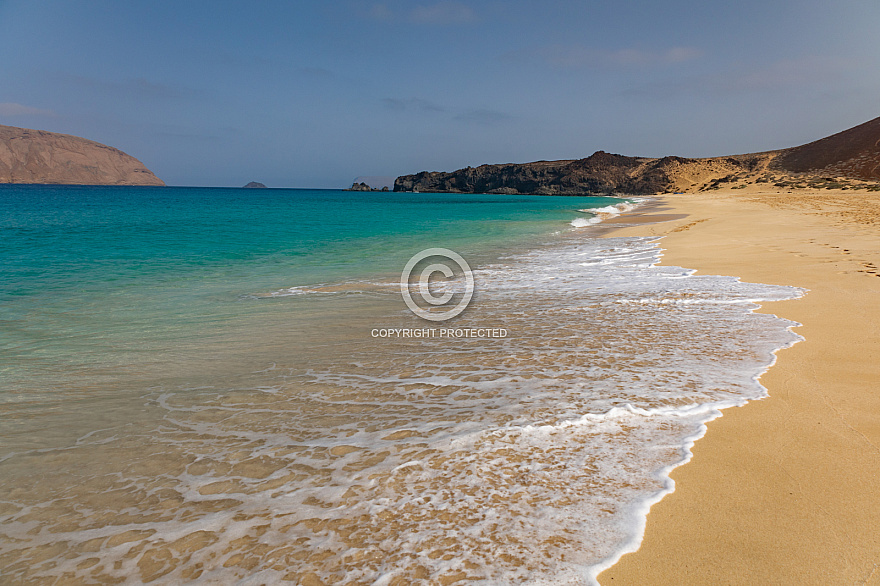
(315, 94)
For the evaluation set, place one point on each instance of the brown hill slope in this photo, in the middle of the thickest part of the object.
(852, 154)
(37, 156)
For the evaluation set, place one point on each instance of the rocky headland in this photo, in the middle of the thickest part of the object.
(848, 159)
(37, 156)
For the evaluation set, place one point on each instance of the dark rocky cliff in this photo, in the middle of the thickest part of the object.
(600, 173)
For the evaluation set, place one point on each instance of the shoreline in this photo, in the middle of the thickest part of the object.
(769, 495)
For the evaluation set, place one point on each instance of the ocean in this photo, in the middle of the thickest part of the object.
(226, 385)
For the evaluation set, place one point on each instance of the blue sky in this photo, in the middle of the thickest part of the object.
(314, 94)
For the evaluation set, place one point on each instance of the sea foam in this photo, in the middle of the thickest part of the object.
(529, 459)
(606, 212)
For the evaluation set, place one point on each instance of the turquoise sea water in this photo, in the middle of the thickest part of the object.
(97, 238)
(190, 389)
(98, 276)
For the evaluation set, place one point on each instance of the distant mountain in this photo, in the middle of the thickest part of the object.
(254, 185)
(37, 156)
(851, 154)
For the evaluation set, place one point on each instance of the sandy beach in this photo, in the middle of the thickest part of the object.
(785, 490)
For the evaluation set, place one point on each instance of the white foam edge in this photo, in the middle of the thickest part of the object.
(713, 411)
(318, 289)
(601, 214)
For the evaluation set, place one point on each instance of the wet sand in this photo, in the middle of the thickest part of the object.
(785, 490)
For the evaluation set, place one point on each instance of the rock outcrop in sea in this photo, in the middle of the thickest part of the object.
(363, 187)
(37, 156)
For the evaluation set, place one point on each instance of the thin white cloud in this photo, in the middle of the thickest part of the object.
(812, 70)
(411, 104)
(315, 72)
(13, 109)
(381, 12)
(578, 56)
(680, 54)
(424, 107)
(783, 75)
(445, 12)
(139, 87)
(483, 116)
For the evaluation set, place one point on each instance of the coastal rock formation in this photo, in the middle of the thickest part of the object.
(37, 156)
(363, 187)
(600, 173)
(254, 185)
(376, 181)
(853, 154)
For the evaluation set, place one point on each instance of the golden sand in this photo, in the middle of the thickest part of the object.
(785, 490)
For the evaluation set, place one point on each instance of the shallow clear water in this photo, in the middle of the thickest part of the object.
(188, 394)
(129, 278)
